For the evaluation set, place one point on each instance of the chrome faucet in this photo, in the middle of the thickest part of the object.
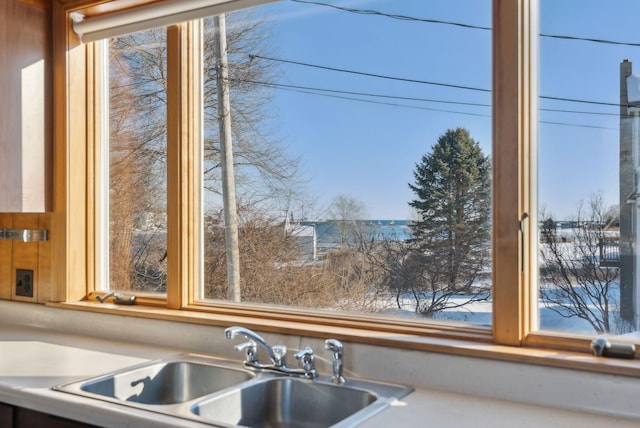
(336, 347)
(307, 361)
(277, 358)
(277, 354)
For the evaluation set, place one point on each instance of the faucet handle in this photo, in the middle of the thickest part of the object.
(307, 361)
(280, 352)
(307, 351)
(250, 350)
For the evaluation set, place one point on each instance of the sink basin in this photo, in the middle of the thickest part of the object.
(295, 402)
(166, 383)
(161, 382)
(217, 392)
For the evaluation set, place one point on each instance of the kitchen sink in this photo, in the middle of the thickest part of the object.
(295, 402)
(219, 392)
(165, 383)
(172, 381)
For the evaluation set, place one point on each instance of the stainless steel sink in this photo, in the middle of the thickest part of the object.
(218, 392)
(171, 381)
(166, 383)
(296, 402)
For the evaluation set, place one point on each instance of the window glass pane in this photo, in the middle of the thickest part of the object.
(137, 162)
(588, 158)
(361, 140)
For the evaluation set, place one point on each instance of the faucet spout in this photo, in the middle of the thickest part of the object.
(276, 357)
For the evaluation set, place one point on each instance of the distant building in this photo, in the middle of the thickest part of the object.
(305, 238)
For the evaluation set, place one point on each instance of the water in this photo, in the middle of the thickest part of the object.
(328, 233)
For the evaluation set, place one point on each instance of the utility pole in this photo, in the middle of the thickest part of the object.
(628, 195)
(226, 159)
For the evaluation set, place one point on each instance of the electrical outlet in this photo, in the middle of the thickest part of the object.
(24, 282)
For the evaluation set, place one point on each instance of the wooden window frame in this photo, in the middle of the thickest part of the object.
(514, 238)
(183, 163)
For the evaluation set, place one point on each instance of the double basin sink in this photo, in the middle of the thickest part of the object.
(218, 392)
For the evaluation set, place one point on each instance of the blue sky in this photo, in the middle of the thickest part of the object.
(576, 162)
(369, 150)
(366, 150)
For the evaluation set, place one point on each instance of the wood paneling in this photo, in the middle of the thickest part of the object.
(114, 6)
(68, 220)
(6, 222)
(15, 254)
(25, 125)
(45, 292)
(25, 141)
(25, 256)
(43, 4)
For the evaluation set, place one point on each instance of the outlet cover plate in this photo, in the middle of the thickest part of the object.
(24, 282)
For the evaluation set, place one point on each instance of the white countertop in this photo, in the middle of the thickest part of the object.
(32, 360)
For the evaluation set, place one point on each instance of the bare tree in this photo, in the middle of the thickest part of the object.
(265, 173)
(348, 278)
(271, 270)
(266, 258)
(417, 280)
(137, 162)
(349, 213)
(575, 282)
(612, 216)
(267, 177)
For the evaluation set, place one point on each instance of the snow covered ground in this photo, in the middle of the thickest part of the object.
(480, 313)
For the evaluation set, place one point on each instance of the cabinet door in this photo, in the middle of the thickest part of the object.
(25, 112)
(6, 415)
(25, 418)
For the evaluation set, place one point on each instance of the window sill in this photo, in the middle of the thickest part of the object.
(454, 346)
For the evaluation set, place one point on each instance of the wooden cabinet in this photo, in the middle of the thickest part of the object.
(25, 107)
(18, 417)
(25, 418)
(6, 415)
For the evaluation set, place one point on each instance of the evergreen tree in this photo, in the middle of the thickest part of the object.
(453, 202)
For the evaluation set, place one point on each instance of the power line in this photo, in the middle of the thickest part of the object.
(439, 110)
(397, 97)
(384, 103)
(578, 125)
(131, 85)
(425, 82)
(315, 91)
(588, 39)
(362, 73)
(367, 94)
(597, 113)
(458, 24)
(575, 100)
(392, 15)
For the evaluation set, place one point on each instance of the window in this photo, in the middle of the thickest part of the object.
(137, 169)
(587, 168)
(328, 130)
(321, 155)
